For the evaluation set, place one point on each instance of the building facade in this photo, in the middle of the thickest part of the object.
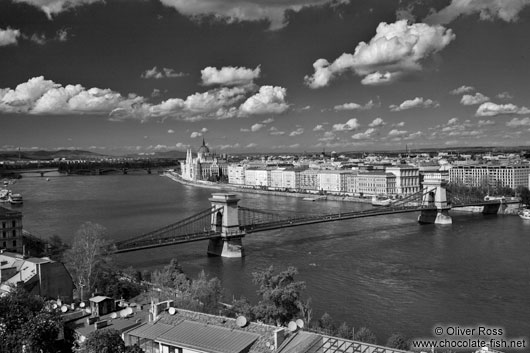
(11, 230)
(372, 183)
(492, 175)
(204, 167)
(407, 179)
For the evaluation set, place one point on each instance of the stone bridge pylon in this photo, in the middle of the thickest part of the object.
(435, 197)
(226, 222)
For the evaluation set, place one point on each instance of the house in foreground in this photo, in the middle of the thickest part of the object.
(174, 330)
(42, 276)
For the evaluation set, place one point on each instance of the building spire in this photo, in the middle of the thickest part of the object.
(203, 143)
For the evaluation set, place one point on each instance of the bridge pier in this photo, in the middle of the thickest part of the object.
(226, 222)
(435, 196)
(491, 208)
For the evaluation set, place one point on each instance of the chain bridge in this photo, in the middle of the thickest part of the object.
(225, 223)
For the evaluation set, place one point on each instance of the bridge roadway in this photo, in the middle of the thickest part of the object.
(162, 239)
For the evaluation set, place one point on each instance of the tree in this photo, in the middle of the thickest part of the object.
(25, 321)
(103, 341)
(89, 253)
(171, 276)
(207, 292)
(56, 248)
(280, 294)
(365, 335)
(345, 331)
(398, 341)
(326, 323)
(524, 194)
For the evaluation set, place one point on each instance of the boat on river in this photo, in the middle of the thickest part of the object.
(381, 201)
(525, 214)
(4, 195)
(15, 199)
(318, 198)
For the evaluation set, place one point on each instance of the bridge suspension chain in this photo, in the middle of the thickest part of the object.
(199, 224)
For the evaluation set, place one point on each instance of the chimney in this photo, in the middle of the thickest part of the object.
(279, 337)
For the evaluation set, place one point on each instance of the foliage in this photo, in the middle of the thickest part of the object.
(345, 331)
(89, 254)
(365, 335)
(280, 294)
(171, 276)
(242, 307)
(199, 294)
(117, 284)
(24, 320)
(207, 292)
(524, 194)
(479, 192)
(103, 341)
(56, 248)
(326, 324)
(398, 341)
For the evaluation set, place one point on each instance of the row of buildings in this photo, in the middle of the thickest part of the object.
(394, 180)
(352, 177)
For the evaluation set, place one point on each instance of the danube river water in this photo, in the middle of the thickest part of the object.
(388, 273)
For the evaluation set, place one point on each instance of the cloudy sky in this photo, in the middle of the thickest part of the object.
(119, 76)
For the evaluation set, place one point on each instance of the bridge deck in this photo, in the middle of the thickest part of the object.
(155, 243)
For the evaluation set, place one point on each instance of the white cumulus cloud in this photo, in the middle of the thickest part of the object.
(506, 10)
(397, 133)
(493, 109)
(364, 135)
(462, 89)
(232, 11)
(515, 122)
(418, 102)
(229, 76)
(355, 106)
(164, 73)
(54, 7)
(9, 36)
(478, 98)
(269, 100)
(256, 127)
(351, 124)
(396, 48)
(298, 131)
(377, 122)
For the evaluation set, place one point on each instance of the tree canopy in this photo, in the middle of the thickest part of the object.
(26, 321)
(89, 254)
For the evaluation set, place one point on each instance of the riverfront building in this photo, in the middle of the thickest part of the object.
(477, 175)
(11, 230)
(407, 178)
(205, 166)
(372, 183)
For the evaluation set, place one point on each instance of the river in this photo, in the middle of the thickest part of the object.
(388, 273)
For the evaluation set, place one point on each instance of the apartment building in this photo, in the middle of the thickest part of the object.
(505, 175)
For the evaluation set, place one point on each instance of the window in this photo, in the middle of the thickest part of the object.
(14, 243)
(3, 224)
(4, 234)
(14, 233)
(14, 224)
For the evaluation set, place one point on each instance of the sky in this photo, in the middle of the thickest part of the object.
(140, 76)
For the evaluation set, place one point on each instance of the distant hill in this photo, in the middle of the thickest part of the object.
(48, 155)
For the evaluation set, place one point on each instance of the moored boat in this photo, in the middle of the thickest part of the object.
(525, 214)
(15, 199)
(4, 195)
(318, 198)
(381, 201)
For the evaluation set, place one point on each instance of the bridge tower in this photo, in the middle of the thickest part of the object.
(435, 195)
(226, 222)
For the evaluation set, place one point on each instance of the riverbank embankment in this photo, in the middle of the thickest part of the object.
(207, 184)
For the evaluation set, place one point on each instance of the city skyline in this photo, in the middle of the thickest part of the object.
(142, 76)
